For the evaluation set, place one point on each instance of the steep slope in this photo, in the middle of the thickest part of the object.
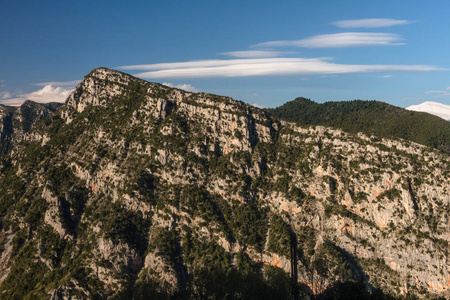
(369, 117)
(16, 121)
(134, 189)
(434, 108)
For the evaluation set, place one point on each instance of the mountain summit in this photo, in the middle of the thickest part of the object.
(134, 190)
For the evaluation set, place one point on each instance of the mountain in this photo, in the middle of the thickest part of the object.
(134, 190)
(15, 122)
(434, 108)
(371, 118)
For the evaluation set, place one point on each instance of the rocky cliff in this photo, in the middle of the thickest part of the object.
(133, 188)
(16, 121)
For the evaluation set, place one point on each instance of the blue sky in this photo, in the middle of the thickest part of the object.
(260, 52)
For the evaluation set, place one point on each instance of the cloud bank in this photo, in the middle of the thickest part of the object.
(370, 23)
(264, 67)
(45, 95)
(340, 40)
(49, 94)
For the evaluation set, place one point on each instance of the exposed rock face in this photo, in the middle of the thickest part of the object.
(132, 182)
(15, 122)
(97, 89)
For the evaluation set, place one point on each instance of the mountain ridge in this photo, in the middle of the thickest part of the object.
(134, 189)
(370, 117)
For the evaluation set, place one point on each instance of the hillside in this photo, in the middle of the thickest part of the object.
(134, 190)
(369, 117)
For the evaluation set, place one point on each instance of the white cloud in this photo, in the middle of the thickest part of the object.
(185, 87)
(340, 40)
(386, 76)
(47, 94)
(264, 67)
(5, 95)
(189, 64)
(254, 53)
(370, 23)
(71, 83)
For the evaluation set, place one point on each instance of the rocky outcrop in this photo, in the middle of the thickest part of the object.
(97, 89)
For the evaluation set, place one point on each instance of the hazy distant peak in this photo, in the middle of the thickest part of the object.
(435, 108)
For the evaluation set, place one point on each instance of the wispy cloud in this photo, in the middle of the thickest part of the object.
(185, 87)
(440, 94)
(264, 67)
(71, 83)
(47, 94)
(254, 53)
(370, 23)
(5, 95)
(340, 40)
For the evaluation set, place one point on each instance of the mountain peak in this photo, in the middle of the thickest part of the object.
(103, 72)
(96, 88)
(30, 103)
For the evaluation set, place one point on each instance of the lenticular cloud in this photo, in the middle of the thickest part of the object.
(263, 67)
(369, 23)
(340, 40)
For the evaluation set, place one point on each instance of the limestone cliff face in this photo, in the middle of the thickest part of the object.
(15, 122)
(133, 183)
(97, 88)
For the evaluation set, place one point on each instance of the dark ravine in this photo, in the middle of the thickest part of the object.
(133, 189)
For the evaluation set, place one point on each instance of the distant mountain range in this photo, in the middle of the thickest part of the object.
(370, 117)
(434, 108)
